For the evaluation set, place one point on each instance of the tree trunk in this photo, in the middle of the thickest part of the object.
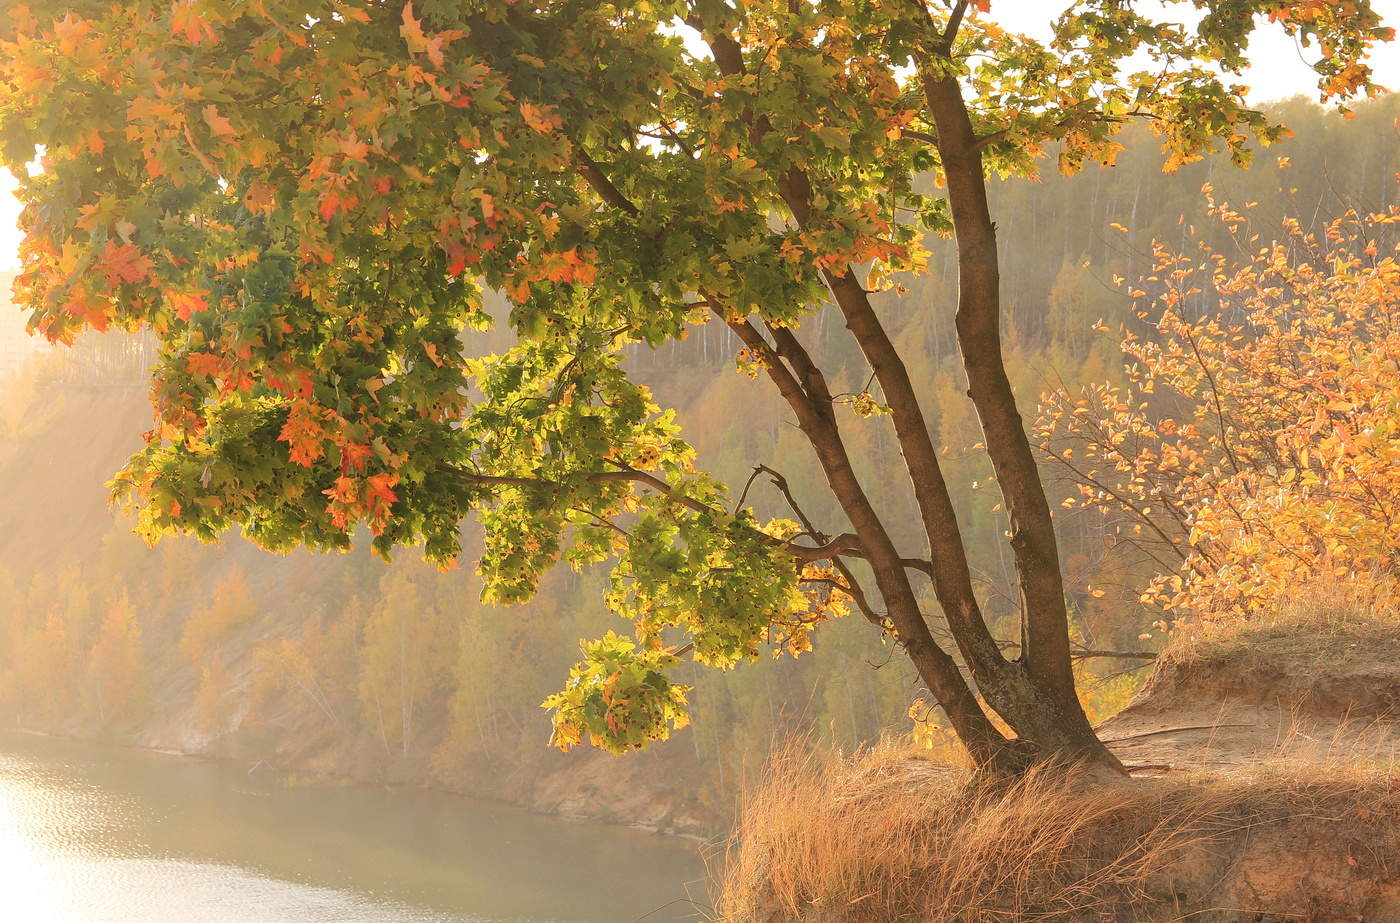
(1044, 707)
(815, 416)
(1035, 695)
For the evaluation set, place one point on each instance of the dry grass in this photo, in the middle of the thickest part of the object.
(886, 836)
(1328, 619)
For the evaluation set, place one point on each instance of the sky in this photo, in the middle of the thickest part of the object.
(1277, 71)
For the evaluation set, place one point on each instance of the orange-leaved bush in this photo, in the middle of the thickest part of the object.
(1255, 446)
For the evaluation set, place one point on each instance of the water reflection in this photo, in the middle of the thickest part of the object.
(91, 833)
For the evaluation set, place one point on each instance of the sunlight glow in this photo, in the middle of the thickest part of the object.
(9, 217)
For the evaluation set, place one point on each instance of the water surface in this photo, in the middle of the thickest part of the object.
(96, 833)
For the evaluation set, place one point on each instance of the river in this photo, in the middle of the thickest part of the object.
(97, 834)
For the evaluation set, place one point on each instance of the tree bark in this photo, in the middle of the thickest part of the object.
(1052, 703)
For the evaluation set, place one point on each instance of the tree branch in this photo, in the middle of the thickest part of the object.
(595, 177)
(950, 34)
(1126, 655)
(854, 589)
(828, 549)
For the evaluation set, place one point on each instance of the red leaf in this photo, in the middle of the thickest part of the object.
(353, 456)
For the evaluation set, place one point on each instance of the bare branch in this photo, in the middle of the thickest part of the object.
(1125, 655)
(853, 588)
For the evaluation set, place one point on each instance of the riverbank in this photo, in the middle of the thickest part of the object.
(587, 786)
(887, 837)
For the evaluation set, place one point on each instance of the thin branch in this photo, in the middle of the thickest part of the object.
(744, 494)
(595, 177)
(602, 521)
(955, 19)
(1125, 655)
(844, 543)
(853, 588)
(1084, 478)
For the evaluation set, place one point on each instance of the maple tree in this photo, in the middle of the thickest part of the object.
(304, 200)
(1252, 449)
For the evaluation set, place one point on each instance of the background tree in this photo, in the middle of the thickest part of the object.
(407, 647)
(230, 608)
(118, 664)
(1253, 448)
(306, 196)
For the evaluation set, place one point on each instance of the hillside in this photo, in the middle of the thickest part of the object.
(1264, 787)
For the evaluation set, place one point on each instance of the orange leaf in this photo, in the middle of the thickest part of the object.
(187, 303)
(217, 123)
(184, 20)
(202, 363)
(123, 263)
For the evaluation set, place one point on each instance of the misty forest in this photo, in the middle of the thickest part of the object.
(719, 460)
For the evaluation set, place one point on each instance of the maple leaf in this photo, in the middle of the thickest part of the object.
(412, 30)
(186, 304)
(344, 491)
(353, 456)
(303, 433)
(123, 263)
(195, 28)
(419, 43)
(218, 124)
(204, 363)
(82, 303)
(379, 488)
(70, 33)
(353, 148)
(334, 201)
(260, 199)
(538, 118)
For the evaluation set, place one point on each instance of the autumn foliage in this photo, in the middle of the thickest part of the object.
(1255, 447)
